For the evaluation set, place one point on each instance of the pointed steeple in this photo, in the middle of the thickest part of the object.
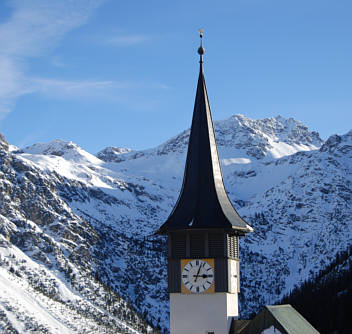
(203, 202)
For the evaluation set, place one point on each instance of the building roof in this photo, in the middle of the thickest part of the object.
(203, 202)
(283, 318)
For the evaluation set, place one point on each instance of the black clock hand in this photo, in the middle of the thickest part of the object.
(203, 275)
(197, 274)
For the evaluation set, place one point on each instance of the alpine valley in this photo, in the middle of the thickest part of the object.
(77, 250)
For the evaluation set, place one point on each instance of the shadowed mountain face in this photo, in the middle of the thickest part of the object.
(327, 292)
(82, 218)
(4, 146)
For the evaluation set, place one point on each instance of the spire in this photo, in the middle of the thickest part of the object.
(203, 202)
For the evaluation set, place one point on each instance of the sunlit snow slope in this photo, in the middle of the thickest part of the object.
(98, 213)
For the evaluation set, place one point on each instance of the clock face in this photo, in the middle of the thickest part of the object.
(197, 275)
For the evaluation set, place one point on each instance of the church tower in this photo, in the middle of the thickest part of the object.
(203, 231)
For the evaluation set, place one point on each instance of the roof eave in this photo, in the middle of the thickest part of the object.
(241, 231)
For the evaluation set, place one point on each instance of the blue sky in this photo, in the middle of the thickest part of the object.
(123, 73)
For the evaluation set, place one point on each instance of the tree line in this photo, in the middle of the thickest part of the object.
(325, 300)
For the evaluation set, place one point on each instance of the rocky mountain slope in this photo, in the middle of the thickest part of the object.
(49, 270)
(87, 221)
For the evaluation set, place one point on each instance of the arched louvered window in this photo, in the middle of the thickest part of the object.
(216, 245)
(179, 245)
(197, 246)
(232, 246)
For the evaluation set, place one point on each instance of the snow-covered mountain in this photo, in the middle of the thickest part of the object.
(87, 221)
(49, 272)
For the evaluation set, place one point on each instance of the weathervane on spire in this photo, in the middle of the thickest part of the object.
(201, 30)
(201, 50)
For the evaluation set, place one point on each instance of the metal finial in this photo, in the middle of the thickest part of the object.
(201, 50)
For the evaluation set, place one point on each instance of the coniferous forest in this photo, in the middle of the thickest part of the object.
(326, 299)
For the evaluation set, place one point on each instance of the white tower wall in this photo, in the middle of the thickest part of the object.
(203, 313)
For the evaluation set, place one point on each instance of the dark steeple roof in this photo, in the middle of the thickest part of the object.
(203, 202)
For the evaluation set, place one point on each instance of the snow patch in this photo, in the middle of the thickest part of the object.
(239, 161)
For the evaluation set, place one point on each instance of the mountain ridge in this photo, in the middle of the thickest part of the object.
(239, 131)
(292, 187)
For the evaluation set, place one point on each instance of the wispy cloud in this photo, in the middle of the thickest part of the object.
(78, 89)
(57, 62)
(127, 40)
(123, 92)
(12, 83)
(36, 25)
(34, 28)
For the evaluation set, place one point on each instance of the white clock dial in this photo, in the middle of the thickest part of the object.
(197, 276)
